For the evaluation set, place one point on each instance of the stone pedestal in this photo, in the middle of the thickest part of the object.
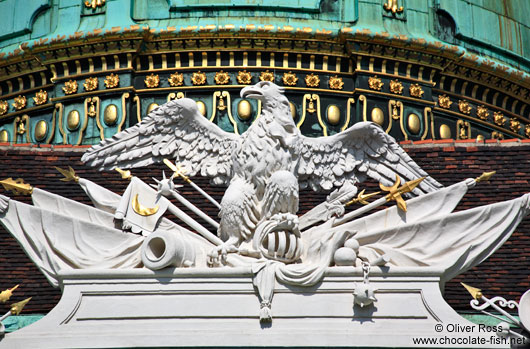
(219, 307)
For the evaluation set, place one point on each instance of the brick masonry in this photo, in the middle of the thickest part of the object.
(505, 273)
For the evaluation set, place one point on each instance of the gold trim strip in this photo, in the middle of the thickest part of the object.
(25, 111)
(123, 110)
(52, 133)
(206, 87)
(396, 76)
(61, 126)
(362, 98)
(251, 68)
(426, 118)
(95, 73)
(138, 110)
(214, 105)
(25, 92)
(349, 103)
(92, 93)
(229, 110)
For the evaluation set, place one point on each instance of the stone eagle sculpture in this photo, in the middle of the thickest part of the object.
(265, 166)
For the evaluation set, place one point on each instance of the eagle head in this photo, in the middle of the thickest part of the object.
(270, 94)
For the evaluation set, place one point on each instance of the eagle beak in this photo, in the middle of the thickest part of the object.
(251, 92)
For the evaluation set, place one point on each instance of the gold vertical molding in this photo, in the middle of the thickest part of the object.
(116, 62)
(371, 65)
(103, 63)
(214, 105)
(349, 103)
(359, 58)
(426, 113)
(66, 69)
(463, 88)
(191, 60)
(151, 65)
(391, 105)
(20, 84)
(177, 60)
(396, 68)
(521, 112)
(350, 66)
(129, 60)
(325, 63)
(138, 108)
(31, 81)
(402, 119)
(433, 72)
(78, 66)
(90, 65)
(494, 99)
(9, 87)
(218, 59)
(299, 61)
(312, 62)
(54, 118)
(420, 73)
(258, 59)
(43, 78)
(383, 66)
(138, 64)
(362, 98)
(232, 61)
(54, 72)
(123, 110)
(409, 68)
(474, 91)
(514, 105)
(226, 94)
(205, 59)
(98, 121)
(316, 98)
(164, 61)
(304, 110)
(286, 60)
(442, 82)
(245, 59)
(453, 85)
(272, 62)
(85, 122)
(504, 102)
(485, 95)
(337, 64)
(60, 121)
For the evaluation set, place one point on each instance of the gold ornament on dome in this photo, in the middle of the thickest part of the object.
(91, 84)
(482, 112)
(336, 83)
(497, 135)
(266, 76)
(527, 130)
(198, 78)
(20, 102)
(70, 87)
(444, 101)
(244, 77)
(112, 81)
(515, 125)
(289, 79)
(396, 87)
(392, 6)
(415, 90)
(312, 80)
(93, 4)
(4, 107)
(222, 78)
(498, 118)
(176, 79)
(40, 97)
(464, 107)
(152, 81)
(41, 129)
(375, 83)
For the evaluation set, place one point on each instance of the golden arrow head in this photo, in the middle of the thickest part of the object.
(410, 185)
(485, 176)
(361, 198)
(17, 186)
(124, 174)
(6, 294)
(69, 175)
(473, 291)
(176, 170)
(394, 186)
(16, 308)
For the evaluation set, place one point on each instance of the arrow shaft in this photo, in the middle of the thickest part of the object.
(349, 216)
(208, 197)
(195, 209)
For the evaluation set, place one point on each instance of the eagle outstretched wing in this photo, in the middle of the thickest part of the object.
(175, 130)
(363, 150)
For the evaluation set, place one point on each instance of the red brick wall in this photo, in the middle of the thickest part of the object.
(505, 273)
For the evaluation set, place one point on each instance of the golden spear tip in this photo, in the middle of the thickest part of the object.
(16, 308)
(473, 291)
(69, 175)
(485, 176)
(413, 184)
(124, 174)
(6, 294)
(17, 186)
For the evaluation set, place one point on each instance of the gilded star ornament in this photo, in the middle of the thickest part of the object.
(176, 79)
(498, 118)
(289, 79)
(336, 83)
(515, 125)
(152, 81)
(312, 80)
(222, 78)
(40, 97)
(266, 76)
(375, 83)
(244, 77)
(464, 107)
(70, 87)
(415, 90)
(4, 107)
(444, 101)
(90, 84)
(482, 112)
(396, 87)
(112, 81)
(20, 102)
(198, 78)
